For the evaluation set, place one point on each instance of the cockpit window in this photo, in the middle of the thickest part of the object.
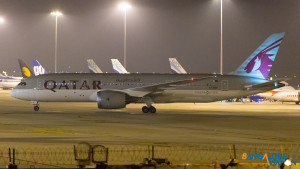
(22, 84)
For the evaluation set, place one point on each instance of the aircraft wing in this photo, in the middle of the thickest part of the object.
(144, 90)
(275, 83)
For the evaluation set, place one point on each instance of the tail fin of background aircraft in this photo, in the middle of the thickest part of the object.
(93, 66)
(38, 68)
(176, 68)
(260, 61)
(118, 67)
(26, 71)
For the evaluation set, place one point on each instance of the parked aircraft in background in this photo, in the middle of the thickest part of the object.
(93, 66)
(114, 91)
(283, 94)
(176, 67)
(118, 67)
(38, 69)
(9, 82)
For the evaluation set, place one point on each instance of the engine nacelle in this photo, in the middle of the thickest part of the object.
(111, 100)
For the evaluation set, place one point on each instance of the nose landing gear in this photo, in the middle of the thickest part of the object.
(36, 105)
(36, 108)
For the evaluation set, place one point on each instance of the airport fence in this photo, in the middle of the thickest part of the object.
(88, 155)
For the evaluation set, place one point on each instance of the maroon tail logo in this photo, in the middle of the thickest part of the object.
(262, 61)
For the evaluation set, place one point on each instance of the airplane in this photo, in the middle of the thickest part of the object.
(93, 66)
(118, 67)
(9, 82)
(283, 94)
(115, 91)
(176, 67)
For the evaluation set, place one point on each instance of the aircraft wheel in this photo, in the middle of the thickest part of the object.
(145, 109)
(297, 102)
(36, 108)
(152, 109)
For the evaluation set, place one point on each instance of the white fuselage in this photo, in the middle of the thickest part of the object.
(283, 94)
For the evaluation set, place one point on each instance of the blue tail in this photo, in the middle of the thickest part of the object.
(118, 67)
(38, 68)
(260, 61)
(176, 68)
(93, 66)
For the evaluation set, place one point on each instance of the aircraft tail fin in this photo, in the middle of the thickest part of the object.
(25, 70)
(38, 69)
(93, 66)
(118, 67)
(260, 61)
(176, 68)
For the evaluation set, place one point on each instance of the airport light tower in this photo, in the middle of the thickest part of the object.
(56, 14)
(124, 6)
(2, 20)
(221, 39)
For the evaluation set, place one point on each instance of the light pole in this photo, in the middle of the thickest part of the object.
(221, 44)
(125, 6)
(56, 14)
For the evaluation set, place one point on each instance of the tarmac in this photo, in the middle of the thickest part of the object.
(173, 124)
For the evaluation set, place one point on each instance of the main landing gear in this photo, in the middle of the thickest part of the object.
(150, 109)
(36, 105)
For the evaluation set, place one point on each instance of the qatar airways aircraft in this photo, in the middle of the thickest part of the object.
(115, 91)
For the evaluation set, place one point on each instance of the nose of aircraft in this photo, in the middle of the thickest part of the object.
(13, 93)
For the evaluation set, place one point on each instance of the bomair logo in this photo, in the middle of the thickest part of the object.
(38, 70)
(275, 159)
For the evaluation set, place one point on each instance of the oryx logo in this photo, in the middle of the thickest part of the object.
(38, 70)
(262, 61)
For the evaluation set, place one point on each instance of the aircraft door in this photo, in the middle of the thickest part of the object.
(40, 84)
(224, 84)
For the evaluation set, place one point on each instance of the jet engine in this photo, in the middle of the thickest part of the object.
(111, 100)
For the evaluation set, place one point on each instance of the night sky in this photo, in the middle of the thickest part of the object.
(156, 30)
